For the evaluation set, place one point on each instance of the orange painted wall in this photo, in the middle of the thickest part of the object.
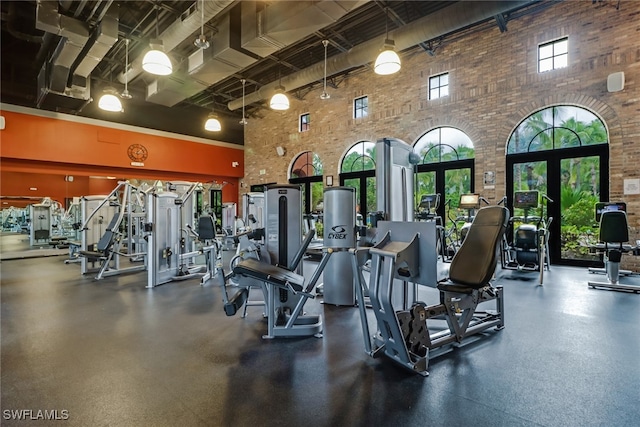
(40, 151)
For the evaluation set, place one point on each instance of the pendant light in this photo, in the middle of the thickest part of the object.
(212, 124)
(325, 95)
(109, 101)
(244, 120)
(279, 100)
(388, 61)
(156, 61)
(125, 93)
(201, 42)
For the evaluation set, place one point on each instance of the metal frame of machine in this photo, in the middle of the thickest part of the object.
(407, 253)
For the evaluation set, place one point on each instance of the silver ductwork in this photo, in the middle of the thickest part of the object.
(177, 32)
(437, 24)
(266, 30)
(263, 31)
(63, 81)
(102, 40)
(74, 35)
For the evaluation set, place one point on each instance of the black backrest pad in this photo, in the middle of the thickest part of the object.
(206, 228)
(614, 227)
(475, 262)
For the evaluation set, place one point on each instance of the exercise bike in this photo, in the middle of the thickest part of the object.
(529, 250)
(427, 211)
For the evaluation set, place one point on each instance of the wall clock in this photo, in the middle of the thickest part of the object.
(138, 152)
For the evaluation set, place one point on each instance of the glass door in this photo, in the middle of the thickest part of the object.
(579, 192)
(365, 186)
(450, 180)
(573, 185)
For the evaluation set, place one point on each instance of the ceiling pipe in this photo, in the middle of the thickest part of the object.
(449, 19)
(177, 32)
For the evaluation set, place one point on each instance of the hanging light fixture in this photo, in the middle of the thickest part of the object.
(388, 61)
(244, 120)
(212, 124)
(201, 42)
(279, 100)
(325, 95)
(125, 93)
(156, 61)
(109, 101)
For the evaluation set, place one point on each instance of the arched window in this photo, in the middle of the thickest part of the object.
(446, 168)
(444, 144)
(358, 170)
(360, 157)
(306, 165)
(306, 170)
(557, 127)
(562, 152)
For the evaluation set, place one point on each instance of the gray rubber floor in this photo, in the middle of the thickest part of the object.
(113, 353)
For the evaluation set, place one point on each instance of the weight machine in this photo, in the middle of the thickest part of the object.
(109, 241)
(175, 245)
(283, 286)
(42, 225)
(407, 253)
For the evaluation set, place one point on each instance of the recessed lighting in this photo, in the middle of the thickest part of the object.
(33, 188)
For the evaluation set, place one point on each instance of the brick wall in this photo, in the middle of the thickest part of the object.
(494, 84)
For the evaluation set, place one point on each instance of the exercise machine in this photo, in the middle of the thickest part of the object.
(176, 250)
(41, 227)
(470, 203)
(613, 236)
(112, 231)
(339, 235)
(282, 283)
(529, 250)
(407, 253)
(253, 210)
(395, 162)
(427, 211)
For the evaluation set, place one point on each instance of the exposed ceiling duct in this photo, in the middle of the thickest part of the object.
(63, 79)
(103, 38)
(74, 35)
(263, 31)
(177, 32)
(442, 22)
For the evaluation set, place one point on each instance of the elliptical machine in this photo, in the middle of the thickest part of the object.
(529, 250)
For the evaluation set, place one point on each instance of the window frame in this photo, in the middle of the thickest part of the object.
(363, 109)
(304, 126)
(440, 86)
(553, 57)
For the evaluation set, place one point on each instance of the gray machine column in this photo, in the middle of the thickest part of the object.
(339, 235)
(395, 160)
(283, 222)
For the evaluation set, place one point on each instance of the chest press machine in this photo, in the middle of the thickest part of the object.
(407, 252)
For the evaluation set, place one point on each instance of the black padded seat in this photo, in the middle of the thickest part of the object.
(452, 287)
(475, 262)
(269, 273)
